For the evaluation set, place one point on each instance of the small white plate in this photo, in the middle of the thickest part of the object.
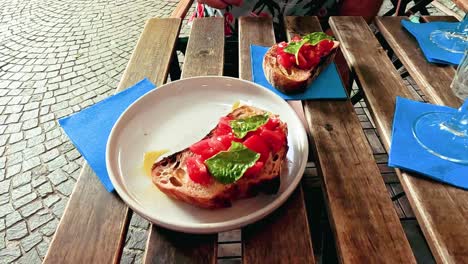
(177, 115)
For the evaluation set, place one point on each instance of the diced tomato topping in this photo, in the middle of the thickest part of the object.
(257, 144)
(282, 45)
(197, 170)
(285, 60)
(203, 148)
(302, 62)
(272, 124)
(274, 139)
(254, 170)
(296, 38)
(324, 47)
(225, 140)
(224, 127)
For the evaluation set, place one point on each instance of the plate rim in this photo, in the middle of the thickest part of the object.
(209, 228)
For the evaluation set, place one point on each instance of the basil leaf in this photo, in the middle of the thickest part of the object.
(229, 166)
(294, 47)
(316, 37)
(241, 127)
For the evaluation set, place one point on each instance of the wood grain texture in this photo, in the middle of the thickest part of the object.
(204, 56)
(441, 210)
(284, 235)
(433, 79)
(181, 9)
(94, 224)
(205, 48)
(366, 227)
(439, 18)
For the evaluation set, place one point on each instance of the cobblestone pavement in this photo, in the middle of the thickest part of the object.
(56, 57)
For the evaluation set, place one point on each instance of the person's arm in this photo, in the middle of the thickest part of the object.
(368, 9)
(220, 4)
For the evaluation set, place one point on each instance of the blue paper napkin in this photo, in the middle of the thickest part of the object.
(406, 153)
(328, 84)
(433, 53)
(89, 129)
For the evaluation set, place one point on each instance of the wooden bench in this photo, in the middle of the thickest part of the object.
(441, 210)
(364, 222)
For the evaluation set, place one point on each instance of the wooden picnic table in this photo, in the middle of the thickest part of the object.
(365, 225)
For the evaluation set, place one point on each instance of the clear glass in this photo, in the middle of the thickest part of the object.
(446, 134)
(455, 41)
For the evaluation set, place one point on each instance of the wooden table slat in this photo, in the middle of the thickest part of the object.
(204, 56)
(441, 210)
(439, 18)
(433, 79)
(94, 224)
(284, 235)
(352, 184)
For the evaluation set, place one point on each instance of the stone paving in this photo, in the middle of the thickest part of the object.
(56, 57)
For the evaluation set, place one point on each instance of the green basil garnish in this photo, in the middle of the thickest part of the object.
(229, 166)
(241, 127)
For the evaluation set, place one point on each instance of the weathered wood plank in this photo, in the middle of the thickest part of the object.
(441, 210)
(181, 9)
(433, 79)
(93, 227)
(204, 56)
(353, 187)
(205, 48)
(439, 18)
(283, 236)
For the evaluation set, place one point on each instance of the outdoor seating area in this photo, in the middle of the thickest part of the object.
(369, 185)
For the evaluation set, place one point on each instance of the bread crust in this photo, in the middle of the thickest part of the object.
(170, 175)
(294, 80)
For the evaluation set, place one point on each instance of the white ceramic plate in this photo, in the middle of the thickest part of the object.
(177, 115)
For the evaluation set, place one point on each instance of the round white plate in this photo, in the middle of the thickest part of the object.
(173, 117)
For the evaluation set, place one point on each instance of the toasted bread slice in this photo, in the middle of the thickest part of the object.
(294, 80)
(171, 177)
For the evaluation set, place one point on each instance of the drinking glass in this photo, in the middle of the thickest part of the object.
(455, 41)
(446, 134)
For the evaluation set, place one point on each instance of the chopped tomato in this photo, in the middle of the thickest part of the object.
(254, 170)
(296, 38)
(324, 47)
(274, 139)
(284, 60)
(302, 61)
(282, 45)
(203, 148)
(271, 124)
(222, 142)
(258, 144)
(197, 170)
(224, 127)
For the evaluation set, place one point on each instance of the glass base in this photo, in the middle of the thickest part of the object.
(451, 41)
(431, 133)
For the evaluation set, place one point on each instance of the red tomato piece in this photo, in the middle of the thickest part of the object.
(274, 139)
(254, 170)
(324, 47)
(203, 148)
(224, 128)
(302, 61)
(197, 170)
(282, 45)
(296, 38)
(284, 60)
(258, 144)
(222, 142)
(271, 124)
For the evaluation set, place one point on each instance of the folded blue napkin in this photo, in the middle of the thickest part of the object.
(432, 52)
(90, 128)
(406, 153)
(328, 84)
